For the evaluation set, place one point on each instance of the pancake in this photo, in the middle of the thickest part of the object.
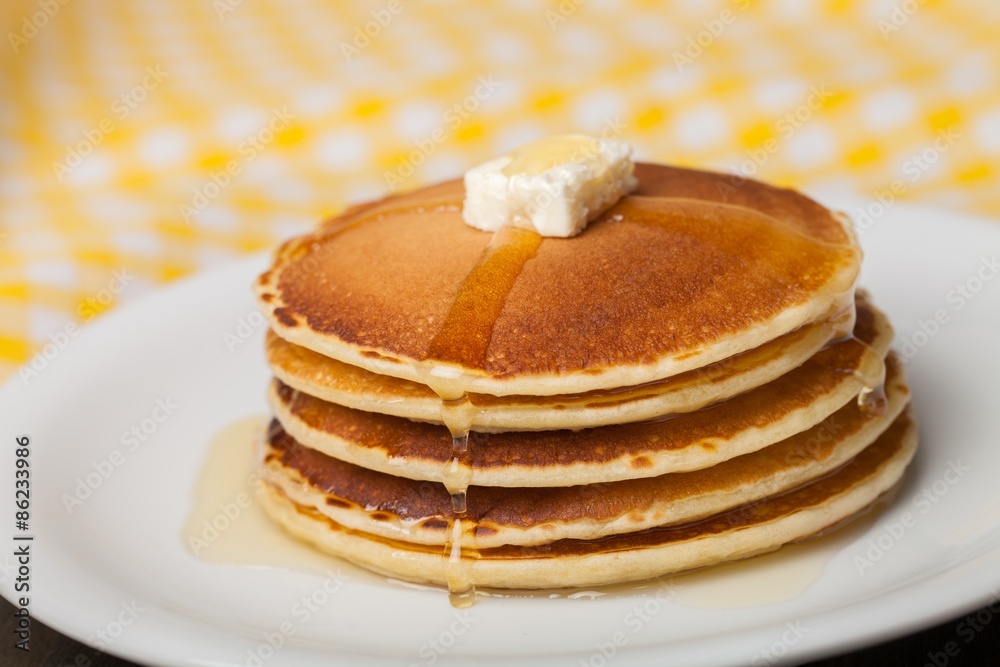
(353, 387)
(789, 404)
(420, 512)
(691, 379)
(672, 278)
(754, 529)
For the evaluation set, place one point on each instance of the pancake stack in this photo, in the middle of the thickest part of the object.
(693, 379)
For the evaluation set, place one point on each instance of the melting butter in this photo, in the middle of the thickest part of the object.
(540, 156)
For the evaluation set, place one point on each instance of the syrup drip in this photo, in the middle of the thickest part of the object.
(871, 399)
(871, 373)
(464, 340)
(460, 548)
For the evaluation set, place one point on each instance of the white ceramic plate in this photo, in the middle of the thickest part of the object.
(123, 543)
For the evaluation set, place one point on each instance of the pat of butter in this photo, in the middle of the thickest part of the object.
(554, 186)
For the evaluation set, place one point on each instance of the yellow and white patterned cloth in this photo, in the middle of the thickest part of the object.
(143, 140)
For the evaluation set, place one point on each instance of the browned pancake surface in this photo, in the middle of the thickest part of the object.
(403, 439)
(348, 485)
(889, 446)
(311, 368)
(863, 466)
(661, 274)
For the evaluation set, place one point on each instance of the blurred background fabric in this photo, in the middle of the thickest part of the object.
(141, 141)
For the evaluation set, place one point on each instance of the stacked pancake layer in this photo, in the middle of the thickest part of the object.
(691, 380)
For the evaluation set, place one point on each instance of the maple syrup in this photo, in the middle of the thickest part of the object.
(463, 341)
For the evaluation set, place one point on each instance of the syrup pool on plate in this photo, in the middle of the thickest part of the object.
(227, 526)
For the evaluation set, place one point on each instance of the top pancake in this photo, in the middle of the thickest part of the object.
(684, 272)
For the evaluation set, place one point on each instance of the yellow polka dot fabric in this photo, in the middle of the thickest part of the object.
(144, 140)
